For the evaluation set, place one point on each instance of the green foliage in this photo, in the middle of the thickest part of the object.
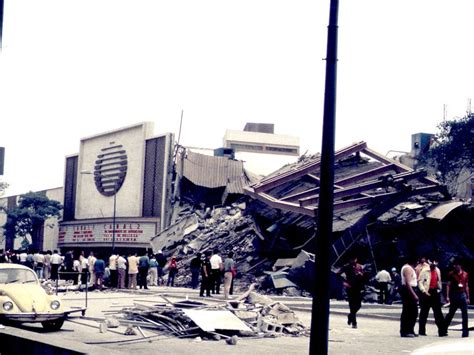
(454, 148)
(29, 216)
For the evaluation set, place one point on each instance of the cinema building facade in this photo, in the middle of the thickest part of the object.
(117, 190)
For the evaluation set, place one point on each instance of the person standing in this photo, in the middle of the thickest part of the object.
(132, 271)
(22, 258)
(38, 259)
(84, 269)
(121, 271)
(206, 283)
(216, 271)
(172, 271)
(153, 271)
(457, 294)
(395, 284)
(383, 279)
(429, 284)
(47, 265)
(229, 265)
(195, 267)
(354, 284)
(409, 300)
(143, 266)
(99, 270)
(56, 261)
(161, 260)
(113, 270)
(91, 261)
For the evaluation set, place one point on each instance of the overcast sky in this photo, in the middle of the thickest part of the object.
(71, 69)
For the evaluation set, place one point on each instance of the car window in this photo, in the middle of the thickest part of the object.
(17, 276)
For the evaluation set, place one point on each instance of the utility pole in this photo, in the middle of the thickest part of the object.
(320, 309)
(1, 23)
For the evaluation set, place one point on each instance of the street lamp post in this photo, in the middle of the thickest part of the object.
(113, 221)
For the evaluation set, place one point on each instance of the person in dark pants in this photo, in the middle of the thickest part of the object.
(457, 291)
(206, 282)
(354, 284)
(409, 300)
(161, 260)
(143, 266)
(195, 269)
(429, 285)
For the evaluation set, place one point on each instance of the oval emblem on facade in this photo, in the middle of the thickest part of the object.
(110, 170)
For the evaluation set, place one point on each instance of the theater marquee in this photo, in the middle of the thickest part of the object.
(127, 234)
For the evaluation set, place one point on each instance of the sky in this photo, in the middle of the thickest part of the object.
(76, 68)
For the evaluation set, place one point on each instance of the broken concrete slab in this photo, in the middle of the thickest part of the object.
(175, 233)
(212, 320)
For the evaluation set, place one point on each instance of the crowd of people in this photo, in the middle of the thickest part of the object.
(130, 270)
(420, 288)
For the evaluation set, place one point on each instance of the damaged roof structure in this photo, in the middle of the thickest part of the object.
(211, 179)
(369, 190)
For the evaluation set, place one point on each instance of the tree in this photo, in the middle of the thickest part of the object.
(28, 218)
(453, 150)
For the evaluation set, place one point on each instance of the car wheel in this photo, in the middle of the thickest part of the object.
(52, 325)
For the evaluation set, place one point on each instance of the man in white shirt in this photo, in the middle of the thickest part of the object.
(56, 261)
(216, 271)
(409, 299)
(91, 261)
(383, 278)
(113, 270)
(132, 271)
(121, 271)
(38, 259)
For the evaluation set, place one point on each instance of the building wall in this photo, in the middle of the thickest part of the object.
(90, 203)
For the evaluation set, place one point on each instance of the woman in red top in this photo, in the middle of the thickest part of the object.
(457, 292)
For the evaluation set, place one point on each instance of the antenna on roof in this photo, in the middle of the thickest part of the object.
(445, 111)
(468, 111)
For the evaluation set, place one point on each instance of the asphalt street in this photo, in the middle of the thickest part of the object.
(377, 333)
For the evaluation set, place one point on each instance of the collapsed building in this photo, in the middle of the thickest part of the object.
(383, 211)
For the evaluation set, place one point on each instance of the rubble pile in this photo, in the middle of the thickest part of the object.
(225, 229)
(251, 315)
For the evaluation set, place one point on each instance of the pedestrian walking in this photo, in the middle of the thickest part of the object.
(195, 267)
(383, 279)
(229, 266)
(354, 285)
(429, 284)
(409, 300)
(172, 271)
(457, 295)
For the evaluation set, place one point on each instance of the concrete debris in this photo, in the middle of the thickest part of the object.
(252, 315)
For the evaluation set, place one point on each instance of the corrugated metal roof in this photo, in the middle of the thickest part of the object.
(212, 172)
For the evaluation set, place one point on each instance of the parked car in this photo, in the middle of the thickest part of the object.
(23, 300)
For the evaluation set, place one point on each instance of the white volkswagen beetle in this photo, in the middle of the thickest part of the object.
(23, 300)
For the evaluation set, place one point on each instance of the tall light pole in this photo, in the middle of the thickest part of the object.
(113, 221)
(320, 309)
